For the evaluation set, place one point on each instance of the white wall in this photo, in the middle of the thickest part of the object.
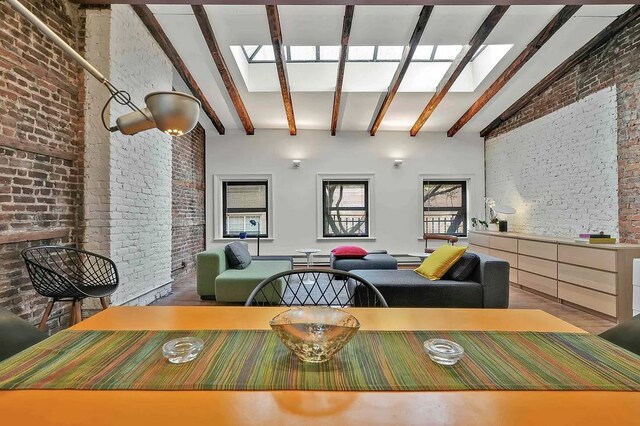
(128, 178)
(397, 190)
(560, 172)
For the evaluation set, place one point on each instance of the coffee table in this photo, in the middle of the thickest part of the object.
(422, 256)
(309, 252)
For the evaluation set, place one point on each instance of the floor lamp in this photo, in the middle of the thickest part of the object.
(256, 223)
(174, 113)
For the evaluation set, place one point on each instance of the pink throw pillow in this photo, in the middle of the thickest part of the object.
(349, 251)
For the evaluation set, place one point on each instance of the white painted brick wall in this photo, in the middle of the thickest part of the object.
(128, 199)
(560, 171)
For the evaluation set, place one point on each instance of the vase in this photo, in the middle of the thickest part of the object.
(494, 227)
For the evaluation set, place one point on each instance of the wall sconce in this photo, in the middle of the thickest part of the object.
(397, 163)
(296, 164)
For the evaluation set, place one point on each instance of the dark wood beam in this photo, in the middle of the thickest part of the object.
(344, 44)
(545, 35)
(281, 65)
(573, 60)
(461, 61)
(359, 2)
(216, 54)
(152, 24)
(405, 61)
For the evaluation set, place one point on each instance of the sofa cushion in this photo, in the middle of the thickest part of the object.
(462, 269)
(439, 262)
(235, 285)
(238, 255)
(349, 251)
(370, 261)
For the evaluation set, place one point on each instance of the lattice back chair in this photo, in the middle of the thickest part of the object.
(451, 239)
(316, 287)
(68, 274)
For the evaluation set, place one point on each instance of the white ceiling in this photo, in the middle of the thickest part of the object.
(373, 25)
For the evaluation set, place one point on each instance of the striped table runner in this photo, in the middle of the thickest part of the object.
(372, 361)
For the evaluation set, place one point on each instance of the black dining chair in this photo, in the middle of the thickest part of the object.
(316, 287)
(69, 274)
(626, 335)
(16, 334)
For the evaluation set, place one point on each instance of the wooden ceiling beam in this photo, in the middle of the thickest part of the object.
(405, 61)
(573, 60)
(152, 24)
(344, 45)
(216, 54)
(461, 61)
(281, 65)
(545, 35)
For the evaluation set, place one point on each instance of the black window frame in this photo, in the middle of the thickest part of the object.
(465, 205)
(264, 227)
(326, 209)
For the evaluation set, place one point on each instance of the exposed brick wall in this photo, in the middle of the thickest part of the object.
(41, 135)
(188, 200)
(617, 63)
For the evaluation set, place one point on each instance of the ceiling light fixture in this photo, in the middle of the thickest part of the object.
(174, 113)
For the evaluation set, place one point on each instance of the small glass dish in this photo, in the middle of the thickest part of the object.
(181, 350)
(444, 352)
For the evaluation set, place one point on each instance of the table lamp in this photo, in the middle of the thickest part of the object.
(502, 209)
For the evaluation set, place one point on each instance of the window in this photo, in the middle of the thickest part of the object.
(345, 208)
(445, 207)
(243, 202)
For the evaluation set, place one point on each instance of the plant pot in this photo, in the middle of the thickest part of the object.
(494, 227)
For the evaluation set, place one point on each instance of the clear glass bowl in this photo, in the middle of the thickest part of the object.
(443, 351)
(181, 350)
(315, 334)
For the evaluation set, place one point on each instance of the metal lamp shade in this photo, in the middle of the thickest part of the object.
(174, 113)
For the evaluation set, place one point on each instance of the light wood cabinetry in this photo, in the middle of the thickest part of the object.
(597, 278)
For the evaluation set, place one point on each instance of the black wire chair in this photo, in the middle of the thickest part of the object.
(68, 274)
(316, 287)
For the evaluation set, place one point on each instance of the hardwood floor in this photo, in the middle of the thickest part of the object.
(184, 293)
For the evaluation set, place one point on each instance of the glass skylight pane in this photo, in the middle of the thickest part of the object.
(303, 53)
(447, 52)
(478, 52)
(360, 53)
(265, 54)
(423, 53)
(329, 53)
(389, 53)
(249, 50)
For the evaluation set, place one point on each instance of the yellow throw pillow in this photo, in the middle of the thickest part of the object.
(439, 262)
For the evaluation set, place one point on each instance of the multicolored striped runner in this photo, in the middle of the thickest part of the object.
(372, 361)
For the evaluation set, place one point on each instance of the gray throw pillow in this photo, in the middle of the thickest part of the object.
(462, 269)
(238, 255)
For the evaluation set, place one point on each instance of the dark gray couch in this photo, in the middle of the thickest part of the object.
(377, 259)
(488, 287)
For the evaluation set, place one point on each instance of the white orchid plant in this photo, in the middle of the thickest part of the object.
(491, 204)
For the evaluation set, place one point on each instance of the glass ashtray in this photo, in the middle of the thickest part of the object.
(444, 352)
(181, 350)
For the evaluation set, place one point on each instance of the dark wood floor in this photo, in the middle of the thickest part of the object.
(184, 293)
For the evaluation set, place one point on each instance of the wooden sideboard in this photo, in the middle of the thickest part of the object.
(596, 277)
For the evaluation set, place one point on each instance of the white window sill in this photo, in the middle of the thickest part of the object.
(459, 239)
(229, 240)
(346, 239)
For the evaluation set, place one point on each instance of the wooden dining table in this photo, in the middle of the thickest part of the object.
(337, 408)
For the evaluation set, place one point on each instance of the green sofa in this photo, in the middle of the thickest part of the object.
(217, 281)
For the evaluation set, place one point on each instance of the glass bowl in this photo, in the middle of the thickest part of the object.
(444, 352)
(181, 350)
(315, 334)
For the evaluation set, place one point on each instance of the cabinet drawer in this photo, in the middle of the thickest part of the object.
(589, 257)
(512, 258)
(538, 282)
(547, 268)
(503, 243)
(478, 239)
(513, 275)
(585, 277)
(478, 249)
(538, 249)
(591, 299)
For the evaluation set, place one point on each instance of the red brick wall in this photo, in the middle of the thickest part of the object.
(187, 231)
(41, 134)
(615, 63)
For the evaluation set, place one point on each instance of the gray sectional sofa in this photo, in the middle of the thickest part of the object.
(487, 287)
